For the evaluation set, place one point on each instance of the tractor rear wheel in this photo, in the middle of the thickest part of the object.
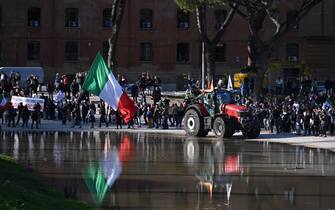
(193, 124)
(252, 129)
(219, 127)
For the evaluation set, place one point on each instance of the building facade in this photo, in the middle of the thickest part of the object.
(156, 38)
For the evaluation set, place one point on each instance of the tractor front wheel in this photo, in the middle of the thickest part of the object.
(193, 124)
(252, 129)
(219, 127)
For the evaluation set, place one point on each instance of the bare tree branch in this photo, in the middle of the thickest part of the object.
(237, 10)
(226, 23)
(117, 15)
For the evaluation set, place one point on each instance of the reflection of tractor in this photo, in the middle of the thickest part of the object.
(217, 110)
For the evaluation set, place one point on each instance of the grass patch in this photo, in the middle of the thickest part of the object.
(20, 189)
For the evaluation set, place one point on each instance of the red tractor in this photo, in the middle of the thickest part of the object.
(218, 111)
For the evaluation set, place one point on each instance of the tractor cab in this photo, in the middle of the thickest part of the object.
(224, 97)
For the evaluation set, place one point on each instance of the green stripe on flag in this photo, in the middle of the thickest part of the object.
(331, 103)
(97, 76)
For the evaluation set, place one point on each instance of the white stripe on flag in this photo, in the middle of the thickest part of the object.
(112, 91)
(3, 102)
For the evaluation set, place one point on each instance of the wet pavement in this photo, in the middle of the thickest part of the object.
(164, 171)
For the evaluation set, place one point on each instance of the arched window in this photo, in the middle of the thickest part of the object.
(34, 17)
(33, 50)
(183, 52)
(146, 52)
(183, 19)
(146, 18)
(71, 17)
(107, 18)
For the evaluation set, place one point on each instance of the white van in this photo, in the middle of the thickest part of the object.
(25, 72)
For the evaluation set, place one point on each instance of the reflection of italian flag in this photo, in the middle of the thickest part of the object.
(101, 82)
(4, 103)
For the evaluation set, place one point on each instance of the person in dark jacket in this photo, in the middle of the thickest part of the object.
(25, 116)
(19, 109)
(118, 119)
(36, 115)
(103, 114)
(11, 113)
(76, 116)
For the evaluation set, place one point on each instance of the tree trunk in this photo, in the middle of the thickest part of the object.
(210, 59)
(116, 16)
(259, 78)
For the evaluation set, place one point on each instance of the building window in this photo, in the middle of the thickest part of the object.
(146, 51)
(220, 53)
(146, 18)
(33, 50)
(183, 52)
(71, 51)
(107, 18)
(34, 17)
(183, 19)
(220, 17)
(105, 49)
(292, 21)
(292, 52)
(71, 17)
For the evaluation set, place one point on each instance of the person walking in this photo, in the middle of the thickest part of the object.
(11, 113)
(90, 116)
(307, 123)
(19, 110)
(103, 115)
(77, 116)
(118, 119)
(25, 116)
(35, 116)
(156, 116)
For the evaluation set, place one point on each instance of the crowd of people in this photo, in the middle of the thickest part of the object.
(311, 114)
(304, 112)
(67, 102)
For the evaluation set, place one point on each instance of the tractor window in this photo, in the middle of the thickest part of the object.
(225, 98)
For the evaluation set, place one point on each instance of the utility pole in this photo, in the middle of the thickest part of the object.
(203, 65)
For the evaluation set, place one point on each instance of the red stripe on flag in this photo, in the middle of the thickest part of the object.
(5, 107)
(126, 107)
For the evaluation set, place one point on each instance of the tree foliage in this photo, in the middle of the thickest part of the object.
(191, 5)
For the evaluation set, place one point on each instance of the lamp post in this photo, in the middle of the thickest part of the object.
(203, 65)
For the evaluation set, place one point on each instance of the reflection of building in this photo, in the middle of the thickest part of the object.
(64, 36)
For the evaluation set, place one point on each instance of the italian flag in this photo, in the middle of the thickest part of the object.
(4, 103)
(101, 82)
